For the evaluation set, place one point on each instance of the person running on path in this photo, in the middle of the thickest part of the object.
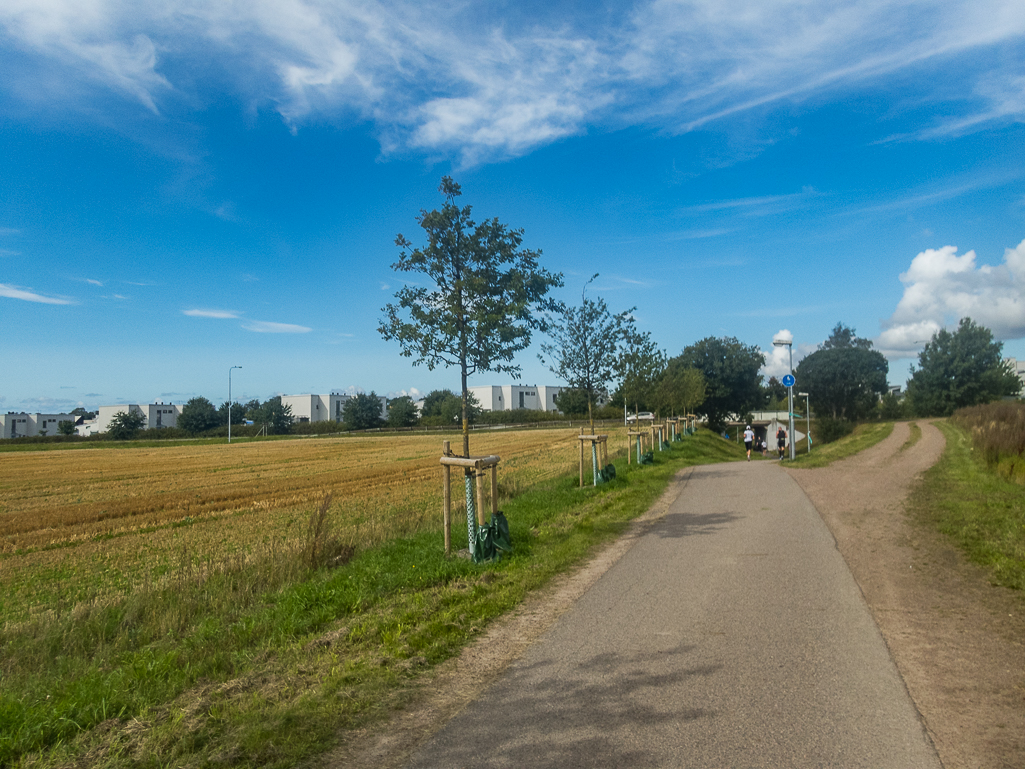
(781, 440)
(749, 437)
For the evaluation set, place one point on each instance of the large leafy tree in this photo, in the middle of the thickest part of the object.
(960, 368)
(732, 381)
(275, 415)
(402, 412)
(362, 411)
(443, 407)
(238, 413)
(585, 349)
(845, 377)
(486, 294)
(679, 390)
(125, 425)
(198, 415)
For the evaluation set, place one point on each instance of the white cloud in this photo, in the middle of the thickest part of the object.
(220, 314)
(8, 252)
(266, 327)
(941, 287)
(411, 393)
(12, 292)
(93, 282)
(449, 78)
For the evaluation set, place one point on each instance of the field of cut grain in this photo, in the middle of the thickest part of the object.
(79, 526)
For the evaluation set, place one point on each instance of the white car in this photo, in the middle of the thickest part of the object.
(644, 415)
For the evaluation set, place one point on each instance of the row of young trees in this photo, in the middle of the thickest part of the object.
(480, 296)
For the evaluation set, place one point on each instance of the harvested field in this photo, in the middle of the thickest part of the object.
(79, 525)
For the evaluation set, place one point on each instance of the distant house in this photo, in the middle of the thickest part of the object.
(25, 425)
(510, 397)
(157, 415)
(323, 408)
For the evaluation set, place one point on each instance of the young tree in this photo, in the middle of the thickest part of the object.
(272, 413)
(573, 402)
(66, 427)
(125, 425)
(639, 367)
(402, 412)
(444, 407)
(845, 377)
(486, 295)
(198, 415)
(732, 381)
(362, 411)
(585, 348)
(679, 389)
(963, 368)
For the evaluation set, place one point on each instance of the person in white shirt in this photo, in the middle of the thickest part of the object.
(749, 437)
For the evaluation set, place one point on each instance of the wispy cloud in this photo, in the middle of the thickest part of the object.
(266, 327)
(9, 231)
(92, 282)
(219, 314)
(13, 292)
(435, 77)
(9, 252)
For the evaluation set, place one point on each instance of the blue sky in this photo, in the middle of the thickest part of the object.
(186, 186)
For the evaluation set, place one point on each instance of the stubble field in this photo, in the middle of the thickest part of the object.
(89, 525)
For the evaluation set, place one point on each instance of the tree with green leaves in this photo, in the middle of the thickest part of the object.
(198, 415)
(66, 427)
(640, 365)
(272, 413)
(125, 425)
(680, 389)
(845, 377)
(958, 369)
(732, 378)
(402, 412)
(573, 402)
(444, 407)
(238, 413)
(485, 296)
(362, 411)
(585, 349)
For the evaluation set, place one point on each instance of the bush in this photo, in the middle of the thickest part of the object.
(998, 433)
(828, 429)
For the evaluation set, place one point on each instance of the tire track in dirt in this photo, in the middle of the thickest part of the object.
(957, 641)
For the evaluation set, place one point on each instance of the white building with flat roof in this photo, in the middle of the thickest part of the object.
(510, 397)
(323, 408)
(25, 425)
(157, 415)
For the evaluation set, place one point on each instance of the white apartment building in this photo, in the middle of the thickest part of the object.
(509, 397)
(323, 408)
(25, 425)
(157, 415)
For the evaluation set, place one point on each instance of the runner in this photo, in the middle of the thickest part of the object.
(749, 437)
(781, 440)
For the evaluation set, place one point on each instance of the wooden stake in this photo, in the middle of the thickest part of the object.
(447, 472)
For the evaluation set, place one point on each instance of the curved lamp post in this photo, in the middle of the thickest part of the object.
(789, 344)
(229, 401)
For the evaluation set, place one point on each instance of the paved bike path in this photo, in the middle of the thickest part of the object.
(730, 635)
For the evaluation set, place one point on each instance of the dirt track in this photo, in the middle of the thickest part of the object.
(957, 642)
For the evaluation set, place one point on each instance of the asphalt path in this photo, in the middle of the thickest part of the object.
(731, 634)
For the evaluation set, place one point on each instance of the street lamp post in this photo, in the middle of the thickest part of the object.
(789, 344)
(229, 401)
(807, 417)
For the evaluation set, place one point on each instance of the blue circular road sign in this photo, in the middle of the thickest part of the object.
(788, 381)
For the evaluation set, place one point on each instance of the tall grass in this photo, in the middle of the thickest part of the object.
(997, 432)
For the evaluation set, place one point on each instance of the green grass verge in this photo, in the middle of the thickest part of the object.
(981, 512)
(914, 436)
(864, 436)
(237, 668)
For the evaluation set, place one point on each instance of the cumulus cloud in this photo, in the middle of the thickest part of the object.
(267, 327)
(941, 287)
(451, 78)
(13, 292)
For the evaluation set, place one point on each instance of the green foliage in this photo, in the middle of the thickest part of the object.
(732, 381)
(679, 390)
(362, 411)
(198, 415)
(775, 395)
(585, 350)
(485, 295)
(66, 427)
(573, 402)
(998, 434)
(639, 368)
(892, 408)
(845, 377)
(829, 429)
(276, 416)
(864, 436)
(238, 413)
(960, 369)
(444, 407)
(125, 425)
(402, 412)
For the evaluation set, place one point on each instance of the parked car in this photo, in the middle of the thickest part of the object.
(644, 415)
